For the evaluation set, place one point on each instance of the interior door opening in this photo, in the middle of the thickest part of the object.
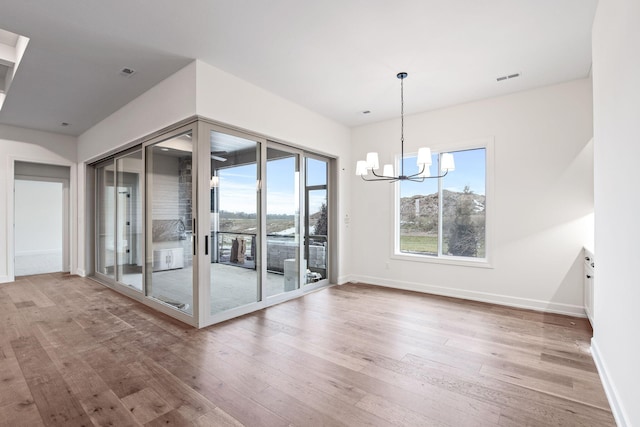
(38, 227)
(41, 213)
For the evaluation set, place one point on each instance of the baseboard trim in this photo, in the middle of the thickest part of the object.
(81, 273)
(610, 390)
(343, 279)
(530, 304)
(6, 279)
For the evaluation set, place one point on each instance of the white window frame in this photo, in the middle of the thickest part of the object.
(488, 144)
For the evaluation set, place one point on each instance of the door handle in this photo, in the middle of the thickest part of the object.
(206, 245)
(193, 235)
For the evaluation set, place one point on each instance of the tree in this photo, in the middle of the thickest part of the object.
(463, 237)
(321, 224)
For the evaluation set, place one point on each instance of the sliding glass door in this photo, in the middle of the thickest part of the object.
(234, 226)
(170, 244)
(105, 237)
(283, 220)
(119, 220)
(206, 237)
(129, 222)
(317, 220)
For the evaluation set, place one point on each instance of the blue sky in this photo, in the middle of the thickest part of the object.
(238, 187)
(238, 184)
(470, 170)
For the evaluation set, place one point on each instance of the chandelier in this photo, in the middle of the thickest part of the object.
(424, 157)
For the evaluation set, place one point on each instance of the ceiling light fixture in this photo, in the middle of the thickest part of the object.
(424, 156)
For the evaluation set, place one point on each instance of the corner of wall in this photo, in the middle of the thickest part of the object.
(609, 388)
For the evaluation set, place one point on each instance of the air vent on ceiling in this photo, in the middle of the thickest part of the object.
(127, 72)
(510, 76)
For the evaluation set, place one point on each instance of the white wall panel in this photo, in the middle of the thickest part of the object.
(616, 93)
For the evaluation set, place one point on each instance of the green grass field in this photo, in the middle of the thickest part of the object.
(428, 244)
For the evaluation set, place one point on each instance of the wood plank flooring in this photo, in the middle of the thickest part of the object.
(74, 353)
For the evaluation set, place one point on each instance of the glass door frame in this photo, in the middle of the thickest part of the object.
(113, 281)
(205, 127)
(192, 128)
(283, 296)
(205, 251)
(331, 248)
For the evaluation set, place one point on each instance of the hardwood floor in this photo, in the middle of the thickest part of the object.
(73, 352)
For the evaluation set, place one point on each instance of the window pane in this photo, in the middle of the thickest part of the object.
(419, 211)
(463, 206)
(316, 172)
(283, 222)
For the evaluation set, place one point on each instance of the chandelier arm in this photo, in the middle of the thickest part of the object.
(379, 176)
(376, 179)
(426, 177)
(416, 174)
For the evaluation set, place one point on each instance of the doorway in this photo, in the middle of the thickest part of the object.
(41, 219)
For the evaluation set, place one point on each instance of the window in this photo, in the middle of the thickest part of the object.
(444, 217)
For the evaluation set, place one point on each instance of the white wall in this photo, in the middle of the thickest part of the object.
(616, 92)
(228, 99)
(29, 146)
(541, 212)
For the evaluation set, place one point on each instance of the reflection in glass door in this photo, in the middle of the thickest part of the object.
(283, 221)
(316, 220)
(105, 233)
(105, 208)
(234, 225)
(129, 220)
(170, 204)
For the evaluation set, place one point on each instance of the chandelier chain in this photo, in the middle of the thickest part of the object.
(402, 126)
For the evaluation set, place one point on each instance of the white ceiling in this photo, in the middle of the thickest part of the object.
(336, 57)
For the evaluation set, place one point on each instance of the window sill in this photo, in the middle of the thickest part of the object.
(459, 261)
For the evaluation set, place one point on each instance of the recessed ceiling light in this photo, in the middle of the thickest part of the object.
(164, 149)
(127, 72)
